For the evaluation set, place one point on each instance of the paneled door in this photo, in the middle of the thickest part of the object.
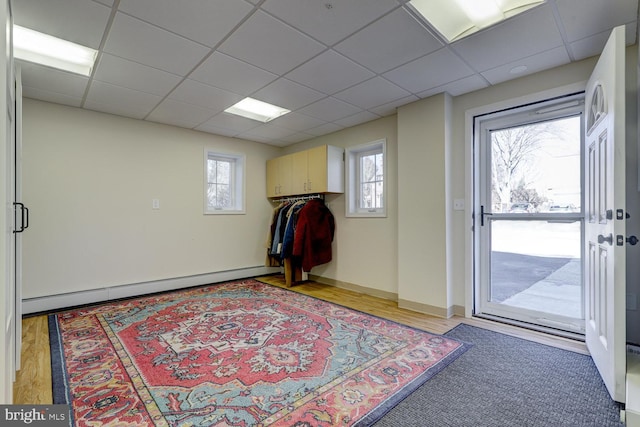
(605, 237)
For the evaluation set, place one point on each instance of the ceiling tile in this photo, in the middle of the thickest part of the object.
(324, 129)
(592, 46)
(51, 80)
(230, 123)
(295, 138)
(138, 41)
(329, 22)
(231, 74)
(287, 94)
(584, 18)
(122, 72)
(430, 71)
(192, 92)
(270, 44)
(297, 122)
(269, 131)
(391, 108)
(458, 87)
(78, 21)
(357, 119)
(527, 34)
(204, 21)
(330, 109)
(208, 128)
(329, 73)
(56, 98)
(542, 61)
(180, 114)
(372, 93)
(393, 40)
(119, 100)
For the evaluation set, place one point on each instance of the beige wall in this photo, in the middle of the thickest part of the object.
(89, 181)
(422, 205)
(526, 89)
(90, 178)
(364, 249)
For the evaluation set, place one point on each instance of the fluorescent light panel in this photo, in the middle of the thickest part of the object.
(33, 46)
(257, 110)
(456, 19)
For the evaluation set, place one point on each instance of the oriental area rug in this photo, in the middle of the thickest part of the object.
(241, 353)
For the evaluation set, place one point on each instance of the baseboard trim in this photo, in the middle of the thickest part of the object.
(73, 299)
(445, 313)
(353, 287)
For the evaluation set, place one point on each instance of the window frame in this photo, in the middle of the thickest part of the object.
(354, 183)
(236, 182)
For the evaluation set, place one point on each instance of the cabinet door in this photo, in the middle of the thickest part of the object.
(299, 175)
(285, 165)
(273, 178)
(279, 176)
(317, 169)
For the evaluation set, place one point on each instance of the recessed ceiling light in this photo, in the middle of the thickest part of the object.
(518, 69)
(456, 19)
(33, 46)
(257, 110)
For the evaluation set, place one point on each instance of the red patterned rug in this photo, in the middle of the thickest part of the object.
(241, 353)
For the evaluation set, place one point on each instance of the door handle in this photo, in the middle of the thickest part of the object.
(482, 214)
(24, 216)
(608, 239)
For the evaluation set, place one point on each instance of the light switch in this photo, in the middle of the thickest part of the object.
(156, 203)
(458, 204)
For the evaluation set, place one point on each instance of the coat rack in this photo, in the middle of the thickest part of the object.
(292, 272)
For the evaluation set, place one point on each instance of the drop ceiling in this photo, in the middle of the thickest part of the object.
(333, 63)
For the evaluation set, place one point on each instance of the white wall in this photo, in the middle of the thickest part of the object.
(89, 181)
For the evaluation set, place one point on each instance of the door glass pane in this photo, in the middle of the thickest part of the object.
(536, 265)
(536, 167)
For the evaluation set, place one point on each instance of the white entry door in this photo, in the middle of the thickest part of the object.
(605, 238)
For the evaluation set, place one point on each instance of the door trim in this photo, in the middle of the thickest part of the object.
(471, 166)
(558, 108)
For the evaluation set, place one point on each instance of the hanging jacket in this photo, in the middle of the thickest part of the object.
(290, 229)
(313, 235)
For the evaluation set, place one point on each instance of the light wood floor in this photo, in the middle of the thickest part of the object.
(33, 381)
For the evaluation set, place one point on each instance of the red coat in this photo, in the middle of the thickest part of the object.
(314, 233)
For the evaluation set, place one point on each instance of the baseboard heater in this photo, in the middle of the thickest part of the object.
(74, 299)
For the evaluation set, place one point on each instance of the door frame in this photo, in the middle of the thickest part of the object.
(471, 165)
(557, 108)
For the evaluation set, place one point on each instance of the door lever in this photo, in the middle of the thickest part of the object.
(482, 214)
(608, 239)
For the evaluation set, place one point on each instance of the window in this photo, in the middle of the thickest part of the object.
(224, 183)
(366, 172)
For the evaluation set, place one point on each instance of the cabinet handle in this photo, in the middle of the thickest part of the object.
(305, 186)
(309, 185)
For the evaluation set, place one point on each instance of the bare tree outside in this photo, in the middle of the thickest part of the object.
(515, 162)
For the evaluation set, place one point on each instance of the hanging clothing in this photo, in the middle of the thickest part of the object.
(290, 229)
(273, 260)
(313, 235)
